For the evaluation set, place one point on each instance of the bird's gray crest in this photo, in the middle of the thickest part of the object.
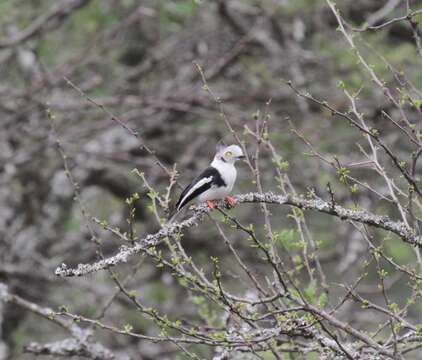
(221, 145)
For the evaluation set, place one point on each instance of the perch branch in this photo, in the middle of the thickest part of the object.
(316, 204)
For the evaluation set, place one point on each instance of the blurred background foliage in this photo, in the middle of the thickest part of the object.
(136, 58)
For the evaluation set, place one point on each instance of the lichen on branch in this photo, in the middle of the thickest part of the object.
(315, 204)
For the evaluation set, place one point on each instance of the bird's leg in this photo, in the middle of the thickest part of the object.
(230, 201)
(211, 204)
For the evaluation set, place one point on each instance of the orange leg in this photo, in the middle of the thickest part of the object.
(231, 201)
(211, 204)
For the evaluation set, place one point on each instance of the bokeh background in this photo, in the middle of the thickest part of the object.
(137, 59)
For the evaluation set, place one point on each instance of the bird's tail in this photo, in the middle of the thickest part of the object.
(173, 215)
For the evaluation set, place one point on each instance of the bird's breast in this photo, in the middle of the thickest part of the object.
(229, 176)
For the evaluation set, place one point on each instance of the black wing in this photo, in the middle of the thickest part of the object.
(215, 180)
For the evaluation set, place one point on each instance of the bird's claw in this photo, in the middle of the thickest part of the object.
(211, 204)
(230, 201)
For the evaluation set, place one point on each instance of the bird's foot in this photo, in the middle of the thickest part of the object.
(211, 204)
(230, 201)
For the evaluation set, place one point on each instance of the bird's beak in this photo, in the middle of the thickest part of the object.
(241, 157)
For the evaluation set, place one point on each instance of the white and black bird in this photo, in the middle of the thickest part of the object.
(215, 182)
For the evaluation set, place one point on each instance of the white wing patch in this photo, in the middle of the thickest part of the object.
(195, 187)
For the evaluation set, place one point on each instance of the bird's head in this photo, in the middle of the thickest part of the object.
(229, 154)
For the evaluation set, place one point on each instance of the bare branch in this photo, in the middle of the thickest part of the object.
(362, 216)
(81, 342)
(57, 13)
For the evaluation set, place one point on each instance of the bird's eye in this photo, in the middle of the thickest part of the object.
(228, 153)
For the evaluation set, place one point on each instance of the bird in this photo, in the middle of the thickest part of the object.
(215, 182)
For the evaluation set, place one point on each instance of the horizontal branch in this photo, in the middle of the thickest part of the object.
(345, 214)
(362, 216)
(408, 16)
(81, 343)
(70, 347)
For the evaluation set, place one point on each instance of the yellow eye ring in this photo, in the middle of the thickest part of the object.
(228, 153)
